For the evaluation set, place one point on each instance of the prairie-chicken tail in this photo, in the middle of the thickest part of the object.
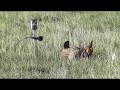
(66, 45)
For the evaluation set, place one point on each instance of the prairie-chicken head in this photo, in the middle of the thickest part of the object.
(89, 50)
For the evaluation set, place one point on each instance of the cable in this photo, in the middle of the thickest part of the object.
(21, 40)
(40, 38)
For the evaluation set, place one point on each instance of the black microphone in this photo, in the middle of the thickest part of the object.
(40, 38)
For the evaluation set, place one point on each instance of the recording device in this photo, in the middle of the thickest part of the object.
(34, 24)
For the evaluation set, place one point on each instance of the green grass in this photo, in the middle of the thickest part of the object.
(79, 27)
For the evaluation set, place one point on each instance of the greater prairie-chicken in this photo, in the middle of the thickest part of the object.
(70, 53)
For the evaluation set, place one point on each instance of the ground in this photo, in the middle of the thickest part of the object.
(56, 27)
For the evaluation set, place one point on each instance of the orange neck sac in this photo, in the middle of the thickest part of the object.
(89, 50)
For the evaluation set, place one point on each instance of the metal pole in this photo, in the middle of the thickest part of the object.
(36, 45)
(34, 27)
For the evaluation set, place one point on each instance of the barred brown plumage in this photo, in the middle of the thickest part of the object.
(70, 53)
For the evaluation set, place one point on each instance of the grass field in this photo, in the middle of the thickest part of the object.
(79, 27)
